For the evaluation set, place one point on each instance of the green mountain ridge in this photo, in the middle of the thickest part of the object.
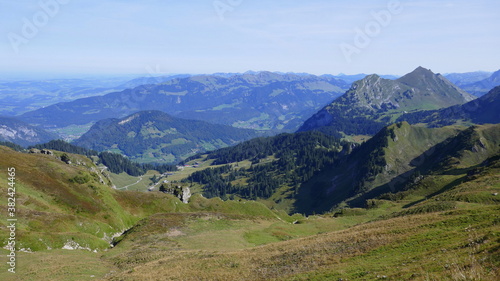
(61, 205)
(271, 169)
(154, 136)
(398, 156)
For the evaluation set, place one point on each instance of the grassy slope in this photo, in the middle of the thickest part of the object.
(443, 228)
(52, 210)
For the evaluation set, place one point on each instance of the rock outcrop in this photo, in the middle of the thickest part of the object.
(181, 192)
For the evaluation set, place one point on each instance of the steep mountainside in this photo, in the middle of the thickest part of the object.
(61, 204)
(482, 87)
(398, 156)
(154, 136)
(13, 130)
(264, 101)
(374, 102)
(480, 111)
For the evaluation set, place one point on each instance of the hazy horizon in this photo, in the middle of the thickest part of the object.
(125, 76)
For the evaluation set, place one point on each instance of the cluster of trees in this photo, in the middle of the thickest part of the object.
(296, 158)
(61, 145)
(218, 182)
(12, 145)
(435, 118)
(259, 148)
(353, 122)
(116, 163)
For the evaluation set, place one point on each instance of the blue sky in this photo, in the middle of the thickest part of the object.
(74, 37)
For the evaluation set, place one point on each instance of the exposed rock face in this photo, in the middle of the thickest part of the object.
(13, 130)
(186, 194)
(65, 158)
(46, 151)
(43, 151)
(181, 192)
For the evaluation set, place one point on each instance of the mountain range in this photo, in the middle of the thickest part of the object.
(462, 79)
(263, 101)
(397, 157)
(274, 102)
(482, 87)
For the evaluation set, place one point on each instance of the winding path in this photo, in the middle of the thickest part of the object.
(127, 186)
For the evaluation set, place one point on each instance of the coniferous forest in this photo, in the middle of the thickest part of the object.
(286, 160)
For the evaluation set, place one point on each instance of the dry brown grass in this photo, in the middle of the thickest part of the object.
(277, 260)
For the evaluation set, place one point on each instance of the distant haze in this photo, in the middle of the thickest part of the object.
(63, 37)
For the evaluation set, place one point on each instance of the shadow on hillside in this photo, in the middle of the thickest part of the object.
(445, 188)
